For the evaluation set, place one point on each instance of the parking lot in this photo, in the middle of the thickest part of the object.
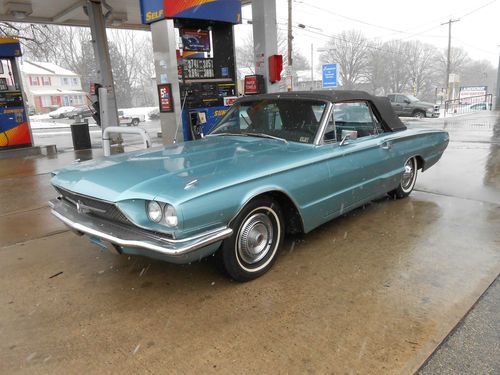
(374, 291)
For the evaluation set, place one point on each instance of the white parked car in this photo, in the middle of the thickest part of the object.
(61, 111)
(127, 119)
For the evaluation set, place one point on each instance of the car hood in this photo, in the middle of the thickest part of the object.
(425, 104)
(179, 172)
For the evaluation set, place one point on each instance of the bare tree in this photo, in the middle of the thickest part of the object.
(396, 65)
(131, 59)
(479, 73)
(423, 68)
(245, 54)
(349, 50)
(459, 58)
(245, 58)
(376, 69)
(133, 64)
(31, 35)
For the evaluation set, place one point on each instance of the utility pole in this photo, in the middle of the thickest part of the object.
(290, 38)
(447, 80)
(312, 66)
(497, 101)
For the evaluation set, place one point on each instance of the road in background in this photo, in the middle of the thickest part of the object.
(58, 132)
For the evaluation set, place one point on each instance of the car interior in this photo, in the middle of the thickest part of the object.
(351, 117)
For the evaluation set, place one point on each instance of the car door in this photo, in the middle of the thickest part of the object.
(358, 166)
(396, 106)
(407, 108)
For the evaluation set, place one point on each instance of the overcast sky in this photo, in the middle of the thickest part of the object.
(477, 32)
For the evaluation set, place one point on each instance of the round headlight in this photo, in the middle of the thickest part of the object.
(154, 211)
(170, 216)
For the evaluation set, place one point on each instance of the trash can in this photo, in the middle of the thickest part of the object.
(80, 135)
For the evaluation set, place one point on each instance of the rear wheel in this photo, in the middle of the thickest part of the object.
(257, 234)
(135, 122)
(408, 179)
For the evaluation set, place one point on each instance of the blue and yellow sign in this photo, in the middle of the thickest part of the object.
(10, 47)
(211, 10)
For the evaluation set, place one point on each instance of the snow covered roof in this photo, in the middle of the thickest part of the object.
(45, 68)
(56, 92)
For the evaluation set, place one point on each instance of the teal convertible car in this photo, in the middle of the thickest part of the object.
(274, 164)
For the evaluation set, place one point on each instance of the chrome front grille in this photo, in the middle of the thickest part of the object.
(104, 210)
(95, 207)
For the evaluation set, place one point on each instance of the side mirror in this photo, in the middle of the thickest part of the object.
(407, 101)
(348, 135)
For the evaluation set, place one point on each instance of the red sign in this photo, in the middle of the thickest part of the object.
(251, 85)
(165, 97)
(229, 100)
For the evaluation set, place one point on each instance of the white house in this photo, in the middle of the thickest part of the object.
(48, 86)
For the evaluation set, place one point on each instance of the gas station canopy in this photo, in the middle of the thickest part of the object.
(125, 14)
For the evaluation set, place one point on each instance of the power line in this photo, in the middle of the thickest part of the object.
(475, 47)
(329, 37)
(391, 29)
(349, 18)
(477, 9)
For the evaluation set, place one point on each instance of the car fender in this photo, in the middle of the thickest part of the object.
(198, 213)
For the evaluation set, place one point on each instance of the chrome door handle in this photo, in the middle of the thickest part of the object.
(387, 145)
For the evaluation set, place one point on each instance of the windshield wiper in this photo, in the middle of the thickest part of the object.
(264, 135)
(224, 133)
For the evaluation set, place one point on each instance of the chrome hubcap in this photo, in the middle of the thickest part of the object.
(255, 239)
(408, 175)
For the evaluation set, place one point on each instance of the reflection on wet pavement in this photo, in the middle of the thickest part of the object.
(470, 167)
(374, 291)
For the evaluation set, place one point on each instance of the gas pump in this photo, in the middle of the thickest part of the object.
(207, 74)
(15, 131)
(205, 57)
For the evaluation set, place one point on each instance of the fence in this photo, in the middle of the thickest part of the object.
(468, 105)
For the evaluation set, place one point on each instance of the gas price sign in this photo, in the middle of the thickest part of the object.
(199, 68)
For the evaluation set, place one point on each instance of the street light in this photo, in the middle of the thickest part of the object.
(306, 27)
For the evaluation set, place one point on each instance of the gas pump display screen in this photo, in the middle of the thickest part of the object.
(11, 99)
(3, 84)
(195, 40)
(199, 69)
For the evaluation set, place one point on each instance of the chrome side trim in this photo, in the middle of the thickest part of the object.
(125, 237)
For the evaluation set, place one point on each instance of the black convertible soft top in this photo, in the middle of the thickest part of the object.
(380, 103)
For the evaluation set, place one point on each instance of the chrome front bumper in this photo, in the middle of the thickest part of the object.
(135, 238)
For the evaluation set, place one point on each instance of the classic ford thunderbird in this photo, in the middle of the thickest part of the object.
(274, 164)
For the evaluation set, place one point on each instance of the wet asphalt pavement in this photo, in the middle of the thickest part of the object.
(375, 291)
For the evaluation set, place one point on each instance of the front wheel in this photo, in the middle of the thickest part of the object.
(257, 234)
(135, 122)
(408, 179)
(419, 114)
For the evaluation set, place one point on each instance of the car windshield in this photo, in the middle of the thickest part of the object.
(411, 98)
(287, 119)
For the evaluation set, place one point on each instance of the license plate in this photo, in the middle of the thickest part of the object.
(104, 245)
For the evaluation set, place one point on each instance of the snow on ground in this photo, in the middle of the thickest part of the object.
(45, 122)
(45, 116)
(52, 125)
